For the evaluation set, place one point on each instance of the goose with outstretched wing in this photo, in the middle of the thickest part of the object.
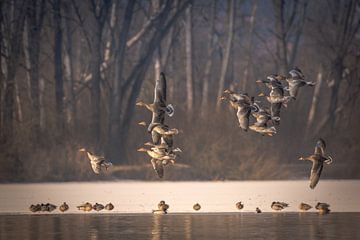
(318, 159)
(262, 117)
(276, 98)
(96, 161)
(296, 81)
(158, 107)
(243, 105)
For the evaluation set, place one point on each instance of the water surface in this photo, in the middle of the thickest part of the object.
(182, 226)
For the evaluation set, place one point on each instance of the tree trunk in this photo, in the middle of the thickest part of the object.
(114, 150)
(138, 73)
(157, 55)
(188, 51)
(225, 62)
(69, 70)
(95, 64)
(279, 6)
(249, 47)
(59, 88)
(209, 62)
(314, 102)
(337, 76)
(35, 15)
(2, 77)
(14, 45)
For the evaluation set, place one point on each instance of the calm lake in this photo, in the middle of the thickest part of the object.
(182, 226)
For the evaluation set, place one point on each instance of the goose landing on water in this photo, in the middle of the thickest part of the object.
(96, 161)
(318, 159)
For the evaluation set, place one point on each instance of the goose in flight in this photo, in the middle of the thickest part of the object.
(161, 133)
(96, 161)
(276, 97)
(243, 104)
(318, 159)
(296, 81)
(158, 108)
(159, 159)
(262, 117)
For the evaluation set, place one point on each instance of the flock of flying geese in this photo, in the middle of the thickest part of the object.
(162, 151)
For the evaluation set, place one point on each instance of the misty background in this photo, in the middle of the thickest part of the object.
(72, 71)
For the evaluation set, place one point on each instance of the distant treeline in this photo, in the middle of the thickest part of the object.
(72, 71)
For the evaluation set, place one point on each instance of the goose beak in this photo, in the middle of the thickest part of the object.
(82, 150)
(258, 81)
(261, 94)
(139, 104)
(301, 158)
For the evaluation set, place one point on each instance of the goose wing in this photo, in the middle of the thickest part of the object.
(277, 92)
(275, 111)
(160, 90)
(261, 120)
(315, 173)
(158, 167)
(95, 158)
(243, 114)
(96, 167)
(158, 115)
(320, 147)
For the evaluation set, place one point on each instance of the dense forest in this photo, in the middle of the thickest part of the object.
(73, 70)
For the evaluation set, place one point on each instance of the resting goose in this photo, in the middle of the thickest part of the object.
(64, 207)
(318, 159)
(304, 207)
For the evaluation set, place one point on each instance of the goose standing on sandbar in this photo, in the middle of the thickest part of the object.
(318, 159)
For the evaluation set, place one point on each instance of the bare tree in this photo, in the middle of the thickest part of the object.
(346, 20)
(115, 111)
(289, 22)
(13, 28)
(189, 65)
(100, 12)
(229, 42)
(35, 16)
(59, 82)
(249, 45)
(212, 38)
(314, 101)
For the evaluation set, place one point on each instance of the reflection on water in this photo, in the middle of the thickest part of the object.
(182, 226)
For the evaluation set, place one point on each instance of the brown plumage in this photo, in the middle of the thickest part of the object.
(318, 159)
